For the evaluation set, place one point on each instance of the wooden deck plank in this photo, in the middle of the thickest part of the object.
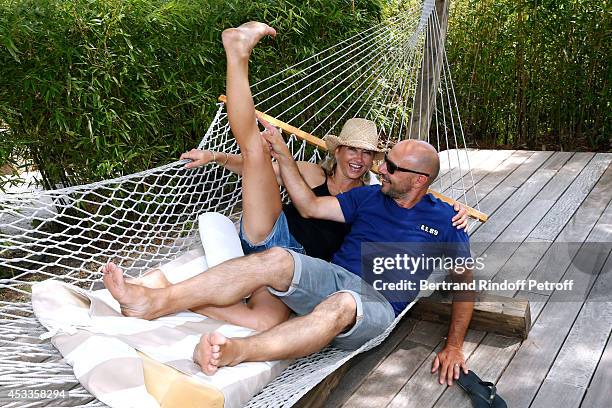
(361, 366)
(514, 180)
(597, 394)
(423, 389)
(558, 395)
(561, 255)
(488, 175)
(579, 355)
(582, 350)
(563, 171)
(496, 199)
(480, 166)
(504, 190)
(538, 256)
(538, 352)
(489, 361)
(522, 258)
(491, 240)
(553, 222)
(391, 375)
(449, 174)
(428, 333)
(546, 198)
(584, 345)
(516, 203)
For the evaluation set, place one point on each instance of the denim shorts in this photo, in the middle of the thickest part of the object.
(315, 279)
(278, 237)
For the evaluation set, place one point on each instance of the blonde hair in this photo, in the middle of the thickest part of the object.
(329, 164)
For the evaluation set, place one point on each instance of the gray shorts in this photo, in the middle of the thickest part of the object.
(315, 279)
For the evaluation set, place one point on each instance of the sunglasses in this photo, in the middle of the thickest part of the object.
(392, 168)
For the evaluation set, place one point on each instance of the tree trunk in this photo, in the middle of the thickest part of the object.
(429, 80)
(521, 100)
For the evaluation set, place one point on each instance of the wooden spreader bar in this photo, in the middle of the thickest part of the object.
(318, 142)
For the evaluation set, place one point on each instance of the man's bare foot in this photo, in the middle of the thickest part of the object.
(239, 42)
(135, 300)
(215, 351)
(154, 279)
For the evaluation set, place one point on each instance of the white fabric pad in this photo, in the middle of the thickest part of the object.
(219, 238)
(78, 320)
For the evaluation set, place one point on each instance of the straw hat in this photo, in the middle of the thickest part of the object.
(356, 132)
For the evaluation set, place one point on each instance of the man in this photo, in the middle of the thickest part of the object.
(331, 299)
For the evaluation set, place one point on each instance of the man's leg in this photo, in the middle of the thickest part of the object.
(261, 201)
(262, 311)
(295, 338)
(223, 285)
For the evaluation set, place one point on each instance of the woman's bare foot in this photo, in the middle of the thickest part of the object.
(239, 42)
(154, 279)
(135, 300)
(215, 351)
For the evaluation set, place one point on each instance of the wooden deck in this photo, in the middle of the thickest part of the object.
(537, 201)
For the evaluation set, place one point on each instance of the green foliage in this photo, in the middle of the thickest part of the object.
(93, 89)
(529, 74)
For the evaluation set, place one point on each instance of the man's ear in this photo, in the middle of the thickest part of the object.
(423, 180)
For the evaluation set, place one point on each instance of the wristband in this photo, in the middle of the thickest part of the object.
(226, 159)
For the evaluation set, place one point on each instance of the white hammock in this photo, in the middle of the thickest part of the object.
(395, 73)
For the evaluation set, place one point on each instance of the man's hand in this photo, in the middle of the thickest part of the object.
(450, 360)
(276, 143)
(198, 157)
(460, 220)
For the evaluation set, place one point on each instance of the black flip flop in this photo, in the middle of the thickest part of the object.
(482, 393)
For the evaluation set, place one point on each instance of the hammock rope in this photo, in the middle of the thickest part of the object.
(143, 219)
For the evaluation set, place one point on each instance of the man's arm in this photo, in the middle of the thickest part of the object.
(306, 202)
(451, 360)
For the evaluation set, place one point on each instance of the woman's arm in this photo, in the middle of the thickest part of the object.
(232, 162)
(312, 173)
(306, 202)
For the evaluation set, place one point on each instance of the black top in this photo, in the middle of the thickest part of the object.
(320, 238)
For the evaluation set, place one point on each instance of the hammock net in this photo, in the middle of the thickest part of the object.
(395, 73)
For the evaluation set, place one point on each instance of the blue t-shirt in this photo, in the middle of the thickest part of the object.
(377, 218)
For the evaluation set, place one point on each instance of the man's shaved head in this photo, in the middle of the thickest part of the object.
(418, 155)
(415, 155)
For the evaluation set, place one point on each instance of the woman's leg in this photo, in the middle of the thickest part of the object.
(261, 201)
(261, 312)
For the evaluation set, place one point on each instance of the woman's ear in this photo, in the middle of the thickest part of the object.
(337, 152)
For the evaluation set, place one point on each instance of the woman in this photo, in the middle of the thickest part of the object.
(349, 166)
(265, 222)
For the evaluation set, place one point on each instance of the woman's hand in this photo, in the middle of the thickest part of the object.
(276, 143)
(460, 220)
(198, 158)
